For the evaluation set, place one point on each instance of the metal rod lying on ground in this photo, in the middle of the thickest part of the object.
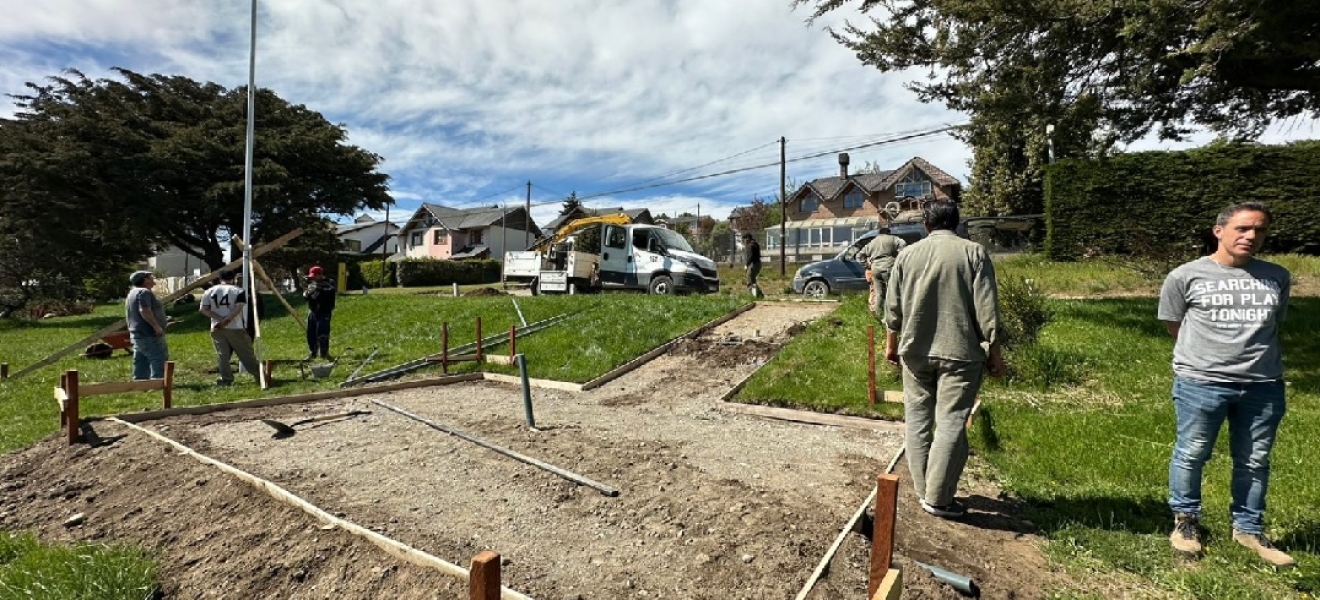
(520, 315)
(364, 364)
(574, 477)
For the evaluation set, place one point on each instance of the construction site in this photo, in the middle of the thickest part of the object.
(648, 485)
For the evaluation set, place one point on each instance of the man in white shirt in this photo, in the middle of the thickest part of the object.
(226, 305)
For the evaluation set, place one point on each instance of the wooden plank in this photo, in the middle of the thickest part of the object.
(117, 325)
(61, 396)
(802, 416)
(296, 399)
(120, 387)
(894, 396)
(4, 371)
(167, 391)
(391, 546)
(870, 363)
(891, 587)
(882, 537)
(662, 348)
(500, 359)
(261, 274)
(549, 384)
(484, 578)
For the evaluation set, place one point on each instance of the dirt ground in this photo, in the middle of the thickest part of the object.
(711, 505)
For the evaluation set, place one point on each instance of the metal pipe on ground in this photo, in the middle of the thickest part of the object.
(962, 583)
(569, 475)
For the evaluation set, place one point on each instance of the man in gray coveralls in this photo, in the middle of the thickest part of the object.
(942, 322)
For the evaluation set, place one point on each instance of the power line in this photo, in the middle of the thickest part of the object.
(911, 136)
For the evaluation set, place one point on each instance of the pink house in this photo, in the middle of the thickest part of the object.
(445, 233)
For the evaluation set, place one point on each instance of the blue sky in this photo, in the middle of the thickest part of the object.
(468, 100)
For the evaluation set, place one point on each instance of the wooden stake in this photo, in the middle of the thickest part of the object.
(478, 339)
(71, 421)
(261, 273)
(882, 538)
(168, 392)
(870, 363)
(484, 576)
(444, 347)
(513, 341)
(4, 371)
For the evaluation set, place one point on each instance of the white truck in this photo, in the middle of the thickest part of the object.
(611, 253)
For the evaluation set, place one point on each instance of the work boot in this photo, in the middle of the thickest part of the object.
(1264, 548)
(1186, 537)
(310, 356)
(952, 510)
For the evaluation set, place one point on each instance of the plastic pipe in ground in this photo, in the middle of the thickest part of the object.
(962, 583)
(526, 389)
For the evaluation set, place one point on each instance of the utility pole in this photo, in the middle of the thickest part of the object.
(783, 207)
(527, 218)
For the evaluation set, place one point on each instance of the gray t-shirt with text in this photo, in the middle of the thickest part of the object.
(1230, 320)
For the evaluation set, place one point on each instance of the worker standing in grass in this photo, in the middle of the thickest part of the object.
(320, 295)
(942, 326)
(1224, 311)
(879, 255)
(226, 305)
(146, 327)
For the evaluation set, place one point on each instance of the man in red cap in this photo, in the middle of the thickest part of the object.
(320, 295)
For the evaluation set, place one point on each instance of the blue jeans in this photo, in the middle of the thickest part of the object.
(318, 333)
(1253, 412)
(149, 355)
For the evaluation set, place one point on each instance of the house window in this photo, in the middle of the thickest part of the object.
(415, 240)
(914, 184)
(810, 203)
(353, 245)
(771, 238)
(854, 198)
(441, 237)
(474, 237)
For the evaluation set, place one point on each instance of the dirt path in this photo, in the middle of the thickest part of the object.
(711, 504)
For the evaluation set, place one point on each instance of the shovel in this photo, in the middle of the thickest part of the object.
(283, 431)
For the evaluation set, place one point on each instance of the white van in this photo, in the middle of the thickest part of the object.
(629, 257)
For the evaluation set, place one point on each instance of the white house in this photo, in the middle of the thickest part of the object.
(368, 236)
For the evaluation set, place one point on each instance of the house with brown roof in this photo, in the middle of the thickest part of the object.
(436, 231)
(826, 215)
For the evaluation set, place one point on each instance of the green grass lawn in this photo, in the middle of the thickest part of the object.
(30, 570)
(603, 332)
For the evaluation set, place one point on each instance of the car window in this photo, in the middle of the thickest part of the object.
(851, 252)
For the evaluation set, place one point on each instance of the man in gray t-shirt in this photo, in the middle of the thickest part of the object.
(1224, 311)
(146, 327)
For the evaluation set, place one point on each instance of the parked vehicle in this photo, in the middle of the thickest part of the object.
(611, 253)
(844, 273)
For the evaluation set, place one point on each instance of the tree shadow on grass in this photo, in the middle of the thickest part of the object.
(1110, 513)
(1129, 314)
(1300, 335)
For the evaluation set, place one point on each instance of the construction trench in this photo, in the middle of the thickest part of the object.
(710, 503)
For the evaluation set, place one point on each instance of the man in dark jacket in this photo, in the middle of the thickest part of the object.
(753, 264)
(320, 295)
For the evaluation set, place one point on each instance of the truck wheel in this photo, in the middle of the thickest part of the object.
(662, 284)
(816, 288)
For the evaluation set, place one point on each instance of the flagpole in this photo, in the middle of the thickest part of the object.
(249, 278)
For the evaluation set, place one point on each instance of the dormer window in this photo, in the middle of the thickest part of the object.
(915, 184)
(810, 203)
(854, 198)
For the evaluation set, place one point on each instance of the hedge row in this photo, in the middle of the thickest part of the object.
(1163, 204)
(417, 272)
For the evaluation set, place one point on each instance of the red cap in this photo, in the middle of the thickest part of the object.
(314, 272)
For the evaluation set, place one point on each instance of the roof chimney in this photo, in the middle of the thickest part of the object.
(843, 165)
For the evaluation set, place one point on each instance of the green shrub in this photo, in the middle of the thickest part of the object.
(1024, 310)
(1042, 367)
(378, 274)
(417, 272)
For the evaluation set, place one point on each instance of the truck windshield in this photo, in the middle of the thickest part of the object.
(673, 240)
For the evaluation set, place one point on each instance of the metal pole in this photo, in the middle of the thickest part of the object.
(783, 206)
(249, 278)
(526, 389)
(527, 218)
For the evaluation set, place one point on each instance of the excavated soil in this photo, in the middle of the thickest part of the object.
(711, 505)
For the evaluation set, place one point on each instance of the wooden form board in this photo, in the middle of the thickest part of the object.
(117, 325)
(662, 348)
(882, 536)
(391, 546)
(549, 384)
(891, 587)
(802, 416)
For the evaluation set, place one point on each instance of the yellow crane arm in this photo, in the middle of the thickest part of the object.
(576, 225)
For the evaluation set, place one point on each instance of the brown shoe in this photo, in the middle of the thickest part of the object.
(1264, 548)
(1186, 538)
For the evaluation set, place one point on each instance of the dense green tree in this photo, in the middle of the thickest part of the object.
(1101, 71)
(157, 160)
(571, 203)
